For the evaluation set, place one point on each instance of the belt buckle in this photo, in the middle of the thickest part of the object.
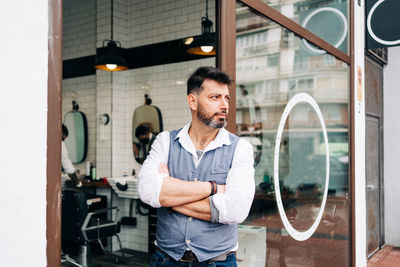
(188, 256)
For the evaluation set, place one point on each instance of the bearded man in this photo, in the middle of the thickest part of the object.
(201, 179)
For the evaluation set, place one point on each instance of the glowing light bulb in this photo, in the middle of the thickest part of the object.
(206, 49)
(111, 66)
(188, 41)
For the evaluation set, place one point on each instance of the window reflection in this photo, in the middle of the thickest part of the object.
(273, 66)
(326, 18)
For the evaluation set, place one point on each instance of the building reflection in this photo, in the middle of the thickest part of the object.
(273, 65)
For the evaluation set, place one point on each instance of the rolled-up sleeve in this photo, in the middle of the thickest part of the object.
(65, 161)
(150, 180)
(234, 205)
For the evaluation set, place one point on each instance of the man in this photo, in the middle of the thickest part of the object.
(66, 162)
(146, 139)
(201, 179)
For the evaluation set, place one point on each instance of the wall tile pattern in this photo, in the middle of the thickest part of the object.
(141, 22)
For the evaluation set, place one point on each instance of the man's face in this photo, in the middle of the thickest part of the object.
(144, 138)
(213, 104)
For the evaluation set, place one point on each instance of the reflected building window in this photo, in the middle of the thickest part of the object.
(273, 66)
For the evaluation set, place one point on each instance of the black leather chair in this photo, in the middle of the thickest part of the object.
(80, 227)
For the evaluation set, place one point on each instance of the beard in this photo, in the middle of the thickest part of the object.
(209, 121)
(145, 140)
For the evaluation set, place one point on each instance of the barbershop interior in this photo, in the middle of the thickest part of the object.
(291, 100)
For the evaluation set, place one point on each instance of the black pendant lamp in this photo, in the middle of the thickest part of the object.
(110, 60)
(205, 43)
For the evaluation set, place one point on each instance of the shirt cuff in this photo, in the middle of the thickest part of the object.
(158, 185)
(214, 211)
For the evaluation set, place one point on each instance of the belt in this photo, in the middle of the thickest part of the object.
(189, 256)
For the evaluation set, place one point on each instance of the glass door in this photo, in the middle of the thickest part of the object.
(292, 105)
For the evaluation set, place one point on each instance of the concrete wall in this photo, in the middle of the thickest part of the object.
(23, 96)
(391, 97)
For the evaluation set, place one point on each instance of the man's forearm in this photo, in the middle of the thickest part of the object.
(199, 209)
(175, 192)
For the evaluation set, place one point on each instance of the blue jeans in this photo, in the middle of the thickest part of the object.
(161, 260)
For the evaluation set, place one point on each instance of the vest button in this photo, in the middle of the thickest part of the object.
(190, 219)
(188, 241)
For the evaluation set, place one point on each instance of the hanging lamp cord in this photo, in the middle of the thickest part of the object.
(112, 19)
(207, 9)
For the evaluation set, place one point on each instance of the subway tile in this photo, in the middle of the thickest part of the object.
(93, 94)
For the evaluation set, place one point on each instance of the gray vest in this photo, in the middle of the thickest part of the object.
(177, 232)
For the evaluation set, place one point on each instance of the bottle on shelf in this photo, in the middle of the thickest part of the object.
(93, 172)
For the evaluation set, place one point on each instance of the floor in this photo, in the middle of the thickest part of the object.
(387, 257)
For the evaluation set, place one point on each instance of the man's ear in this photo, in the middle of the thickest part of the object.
(192, 101)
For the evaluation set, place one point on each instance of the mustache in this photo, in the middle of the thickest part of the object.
(222, 111)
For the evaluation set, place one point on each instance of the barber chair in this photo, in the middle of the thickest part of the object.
(81, 227)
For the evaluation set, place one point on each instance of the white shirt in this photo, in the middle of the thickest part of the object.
(65, 161)
(233, 205)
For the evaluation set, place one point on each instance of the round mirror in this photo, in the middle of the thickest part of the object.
(76, 141)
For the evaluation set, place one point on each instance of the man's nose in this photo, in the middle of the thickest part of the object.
(224, 104)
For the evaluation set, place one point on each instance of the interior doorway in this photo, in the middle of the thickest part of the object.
(374, 154)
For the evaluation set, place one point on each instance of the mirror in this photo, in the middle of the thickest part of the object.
(76, 142)
(146, 124)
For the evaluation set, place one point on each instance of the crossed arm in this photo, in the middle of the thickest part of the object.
(186, 197)
(191, 198)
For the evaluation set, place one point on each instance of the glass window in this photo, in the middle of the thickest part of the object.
(293, 107)
(326, 18)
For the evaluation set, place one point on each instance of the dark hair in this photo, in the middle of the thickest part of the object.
(141, 129)
(197, 78)
(64, 130)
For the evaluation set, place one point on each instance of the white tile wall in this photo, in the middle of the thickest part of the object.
(79, 28)
(160, 20)
(136, 23)
(83, 91)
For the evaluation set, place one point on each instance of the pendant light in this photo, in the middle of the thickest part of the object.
(110, 60)
(205, 43)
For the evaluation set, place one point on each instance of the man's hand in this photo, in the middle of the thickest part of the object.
(75, 179)
(199, 209)
(176, 192)
(221, 188)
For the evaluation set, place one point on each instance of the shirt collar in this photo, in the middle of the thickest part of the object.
(221, 139)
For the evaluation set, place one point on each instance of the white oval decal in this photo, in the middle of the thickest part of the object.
(371, 32)
(334, 11)
(299, 235)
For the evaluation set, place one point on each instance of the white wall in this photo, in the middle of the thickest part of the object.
(83, 91)
(391, 96)
(23, 96)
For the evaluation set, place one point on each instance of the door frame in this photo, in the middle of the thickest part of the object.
(381, 228)
(376, 63)
(226, 60)
(53, 168)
